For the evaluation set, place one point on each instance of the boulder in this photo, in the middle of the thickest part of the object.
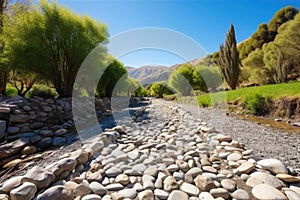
(58, 192)
(25, 191)
(41, 177)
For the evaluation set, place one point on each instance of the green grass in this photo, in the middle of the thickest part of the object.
(267, 91)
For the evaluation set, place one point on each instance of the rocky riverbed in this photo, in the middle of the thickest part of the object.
(162, 152)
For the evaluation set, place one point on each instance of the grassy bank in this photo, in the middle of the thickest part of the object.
(254, 98)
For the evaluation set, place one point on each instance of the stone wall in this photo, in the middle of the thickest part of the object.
(20, 115)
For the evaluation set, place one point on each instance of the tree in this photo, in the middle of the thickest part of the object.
(53, 43)
(158, 89)
(210, 76)
(110, 77)
(283, 15)
(229, 59)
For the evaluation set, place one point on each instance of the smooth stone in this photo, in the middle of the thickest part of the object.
(58, 192)
(161, 194)
(4, 197)
(178, 175)
(151, 171)
(288, 178)
(204, 183)
(267, 192)
(189, 189)
(62, 166)
(170, 184)
(128, 193)
(29, 150)
(228, 184)
(114, 187)
(209, 169)
(97, 188)
(178, 195)
(60, 132)
(91, 197)
(36, 125)
(12, 148)
(45, 143)
(113, 172)
(58, 141)
(11, 183)
(234, 157)
(262, 177)
(240, 194)
(13, 130)
(206, 196)
(123, 179)
(219, 192)
(273, 165)
(82, 190)
(25, 191)
(2, 128)
(146, 195)
(291, 195)
(245, 168)
(192, 173)
(39, 176)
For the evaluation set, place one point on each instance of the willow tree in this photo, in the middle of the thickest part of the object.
(229, 59)
(53, 42)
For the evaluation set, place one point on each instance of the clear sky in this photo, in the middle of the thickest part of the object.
(205, 21)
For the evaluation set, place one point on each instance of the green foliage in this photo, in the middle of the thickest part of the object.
(53, 43)
(11, 91)
(211, 77)
(256, 104)
(187, 78)
(109, 79)
(42, 91)
(229, 59)
(160, 89)
(266, 92)
(141, 92)
(267, 32)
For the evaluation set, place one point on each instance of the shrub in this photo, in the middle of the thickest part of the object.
(42, 91)
(257, 104)
(11, 91)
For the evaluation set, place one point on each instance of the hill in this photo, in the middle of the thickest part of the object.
(150, 74)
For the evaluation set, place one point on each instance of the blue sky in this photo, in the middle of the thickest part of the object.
(205, 21)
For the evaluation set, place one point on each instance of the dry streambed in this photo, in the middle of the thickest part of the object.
(164, 153)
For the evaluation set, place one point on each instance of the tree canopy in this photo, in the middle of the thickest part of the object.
(53, 42)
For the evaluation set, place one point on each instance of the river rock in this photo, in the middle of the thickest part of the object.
(39, 176)
(12, 130)
(58, 192)
(204, 183)
(240, 194)
(11, 183)
(219, 192)
(25, 191)
(91, 197)
(178, 195)
(161, 194)
(44, 143)
(189, 189)
(146, 195)
(13, 147)
(128, 193)
(273, 165)
(266, 191)
(288, 178)
(228, 184)
(61, 166)
(58, 141)
(97, 188)
(19, 118)
(244, 168)
(36, 125)
(170, 184)
(4, 197)
(29, 150)
(262, 177)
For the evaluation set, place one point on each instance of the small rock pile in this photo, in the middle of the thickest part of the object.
(167, 155)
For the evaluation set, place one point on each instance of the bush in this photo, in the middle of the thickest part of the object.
(11, 91)
(257, 104)
(42, 91)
